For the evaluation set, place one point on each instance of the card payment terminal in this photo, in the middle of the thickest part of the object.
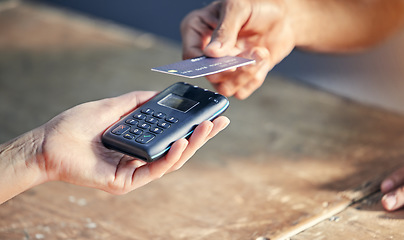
(149, 131)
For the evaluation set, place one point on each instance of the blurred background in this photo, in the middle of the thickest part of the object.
(373, 77)
(160, 17)
(288, 143)
(77, 51)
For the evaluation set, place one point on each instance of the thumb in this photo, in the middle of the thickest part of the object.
(233, 16)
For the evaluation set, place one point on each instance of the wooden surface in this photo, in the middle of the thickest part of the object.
(365, 220)
(293, 156)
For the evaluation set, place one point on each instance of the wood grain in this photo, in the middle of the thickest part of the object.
(292, 156)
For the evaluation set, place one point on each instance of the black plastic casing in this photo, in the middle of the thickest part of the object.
(209, 106)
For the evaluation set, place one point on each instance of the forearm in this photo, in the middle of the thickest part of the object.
(19, 168)
(343, 25)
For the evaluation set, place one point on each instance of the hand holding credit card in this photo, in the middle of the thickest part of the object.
(202, 66)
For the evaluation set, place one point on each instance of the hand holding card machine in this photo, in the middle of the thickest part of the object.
(148, 132)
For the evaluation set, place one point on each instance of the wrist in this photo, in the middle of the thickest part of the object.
(298, 16)
(21, 164)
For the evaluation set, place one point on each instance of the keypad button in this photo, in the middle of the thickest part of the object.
(144, 125)
(152, 120)
(120, 129)
(132, 121)
(147, 111)
(159, 115)
(172, 119)
(164, 124)
(140, 116)
(156, 130)
(145, 138)
(128, 136)
(136, 131)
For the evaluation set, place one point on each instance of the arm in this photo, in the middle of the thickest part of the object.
(18, 164)
(268, 30)
(68, 148)
(344, 25)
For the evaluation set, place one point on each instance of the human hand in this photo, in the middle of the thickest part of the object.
(255, 29)
(73, 152)
(393, 188)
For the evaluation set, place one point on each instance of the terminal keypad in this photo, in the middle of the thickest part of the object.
(145, 125)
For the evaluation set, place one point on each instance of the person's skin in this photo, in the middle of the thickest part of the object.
(393, 189)
(268, 30)
(68, 148)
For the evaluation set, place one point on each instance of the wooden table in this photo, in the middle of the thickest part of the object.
(296, 162)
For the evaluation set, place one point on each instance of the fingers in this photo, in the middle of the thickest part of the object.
(148, 172)
(393, 181)
(134, 174)
(196, 30)
(174, 155)
(199, 137)
(196, 141)
(234, 14)
(394, 200)
(393, 187)
(219, 124)
(219, 23)
(245, 80)
(258, 72)
(122, 183)
(123, 104)
(134, 99)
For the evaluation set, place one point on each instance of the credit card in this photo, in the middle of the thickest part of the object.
(202, 66)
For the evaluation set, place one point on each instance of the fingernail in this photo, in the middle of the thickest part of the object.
(226, 124)
(387, 185)
(390, 201)
(215, 45)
